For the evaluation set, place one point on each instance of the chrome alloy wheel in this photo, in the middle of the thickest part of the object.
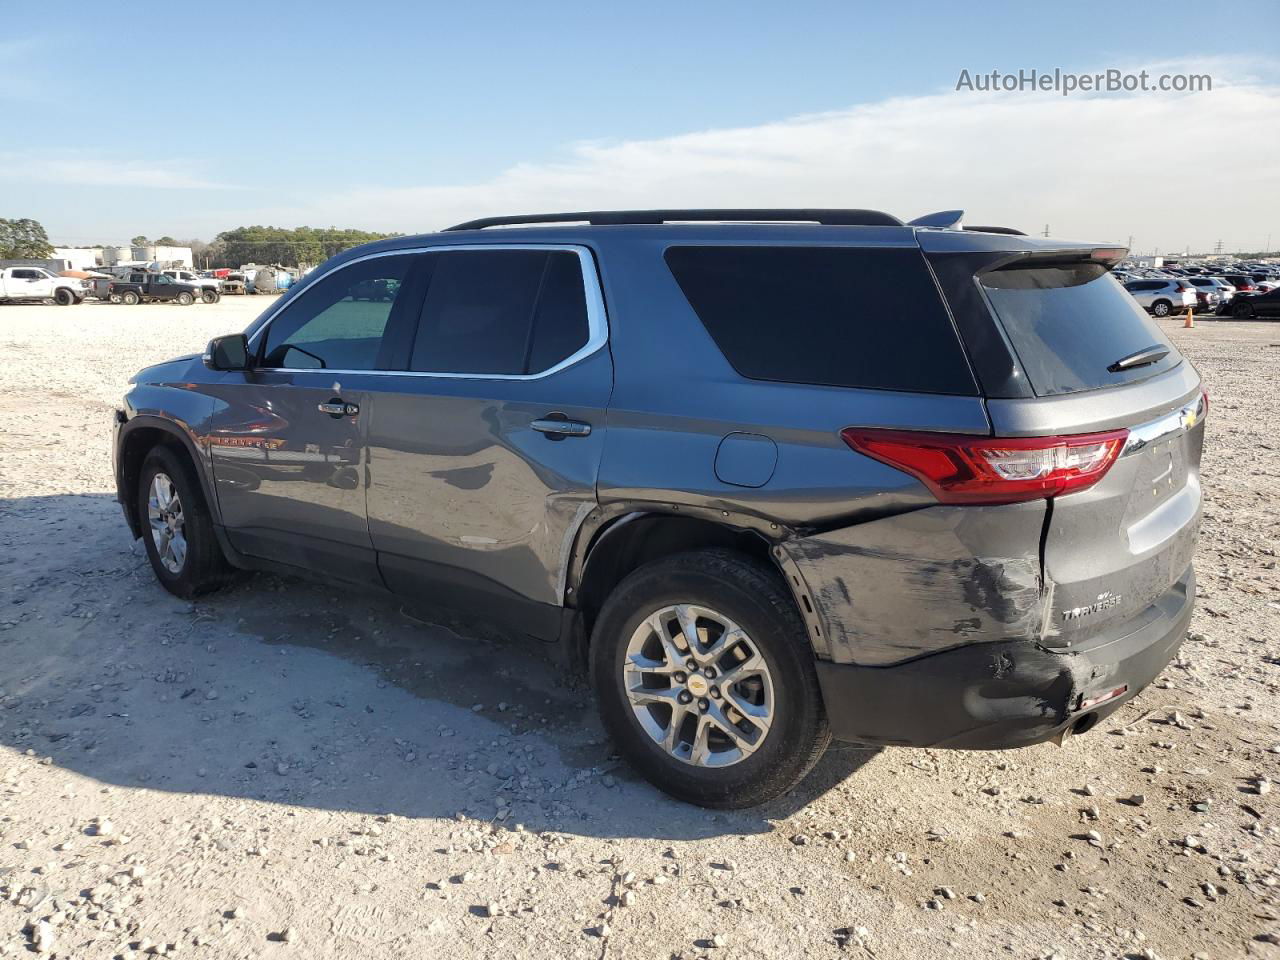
(698, 686)
(164, 513)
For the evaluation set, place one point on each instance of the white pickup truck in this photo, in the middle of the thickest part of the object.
(37, 283)
(179, 275)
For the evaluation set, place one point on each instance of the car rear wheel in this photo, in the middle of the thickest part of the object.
(1161, 308)
(1242, 311)
(64, 297)
(705, 679)
(186, 299)
(177, 529)
(130, 298)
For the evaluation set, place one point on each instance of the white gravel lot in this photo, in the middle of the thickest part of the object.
(288, 770)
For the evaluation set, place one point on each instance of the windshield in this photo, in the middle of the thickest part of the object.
(1070, 323)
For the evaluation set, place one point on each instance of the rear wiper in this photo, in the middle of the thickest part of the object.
(1142, 358)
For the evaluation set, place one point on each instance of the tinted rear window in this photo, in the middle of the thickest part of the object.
(837, 316)
(1068, 323)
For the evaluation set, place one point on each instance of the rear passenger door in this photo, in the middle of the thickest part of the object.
(483, 452)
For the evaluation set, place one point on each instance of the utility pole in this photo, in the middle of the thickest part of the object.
(1217, 248)
(1046, 231)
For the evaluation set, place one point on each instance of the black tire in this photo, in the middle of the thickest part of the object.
(752, 595)
(204, 568)
(63, 297)
(130, 298)
(1242, 311)
(115, 298)
(185, 299)
(209, 296)
(1162, 308)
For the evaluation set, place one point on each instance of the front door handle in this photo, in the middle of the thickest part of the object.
(557, 428)
(338, 408)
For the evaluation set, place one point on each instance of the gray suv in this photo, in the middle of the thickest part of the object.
(767, 477)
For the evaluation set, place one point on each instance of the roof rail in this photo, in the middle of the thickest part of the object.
(843, 218)
(1007, 230)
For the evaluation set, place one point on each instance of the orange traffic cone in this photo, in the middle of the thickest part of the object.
(1189, 321)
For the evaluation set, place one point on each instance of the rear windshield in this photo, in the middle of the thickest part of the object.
(1068, 323)
(836, 316)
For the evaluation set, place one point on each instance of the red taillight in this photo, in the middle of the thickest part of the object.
(991, 470)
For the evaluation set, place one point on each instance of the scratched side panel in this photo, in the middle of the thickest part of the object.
(903, 586)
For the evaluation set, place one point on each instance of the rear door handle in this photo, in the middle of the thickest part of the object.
(558, 429)
(338, 408)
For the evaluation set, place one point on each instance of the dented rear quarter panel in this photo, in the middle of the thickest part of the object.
(917, 583)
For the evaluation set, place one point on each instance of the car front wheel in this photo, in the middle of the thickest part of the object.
(177, 529)
(705, 679)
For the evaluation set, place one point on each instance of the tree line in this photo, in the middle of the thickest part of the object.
(299, 246)
(23, 239)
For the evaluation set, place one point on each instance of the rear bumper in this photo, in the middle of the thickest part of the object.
(992, 696)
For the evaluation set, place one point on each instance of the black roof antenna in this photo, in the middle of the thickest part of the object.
(942, 220)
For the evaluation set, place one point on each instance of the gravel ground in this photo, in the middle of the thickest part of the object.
(284, 770)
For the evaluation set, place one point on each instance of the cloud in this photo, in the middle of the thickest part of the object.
(79, 169)
(1171, 170)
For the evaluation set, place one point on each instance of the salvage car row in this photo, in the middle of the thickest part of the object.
(29, 283)
(1243, 293)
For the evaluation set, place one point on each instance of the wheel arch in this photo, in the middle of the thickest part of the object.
(138, 437)
(612, 545)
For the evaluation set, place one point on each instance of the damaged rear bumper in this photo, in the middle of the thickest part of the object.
(989, 696)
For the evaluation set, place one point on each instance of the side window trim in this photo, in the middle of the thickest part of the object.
(597, 318)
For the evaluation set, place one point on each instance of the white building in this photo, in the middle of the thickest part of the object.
(170, 256)
(79, 258)
(1150, 262)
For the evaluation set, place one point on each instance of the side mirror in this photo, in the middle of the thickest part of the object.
(228, 353)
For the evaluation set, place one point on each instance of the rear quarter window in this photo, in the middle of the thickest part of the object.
(833, 316)
(1068, 323)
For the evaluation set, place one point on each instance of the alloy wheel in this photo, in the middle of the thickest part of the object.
(698, 686)
(168, 531)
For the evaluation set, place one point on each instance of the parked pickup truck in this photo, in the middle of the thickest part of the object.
(37, 283)
(151, 286)
(210, 287)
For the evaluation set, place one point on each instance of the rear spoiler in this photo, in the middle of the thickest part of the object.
(996, 249)
(1107, 257)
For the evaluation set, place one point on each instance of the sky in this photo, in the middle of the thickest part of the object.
(407, 116)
